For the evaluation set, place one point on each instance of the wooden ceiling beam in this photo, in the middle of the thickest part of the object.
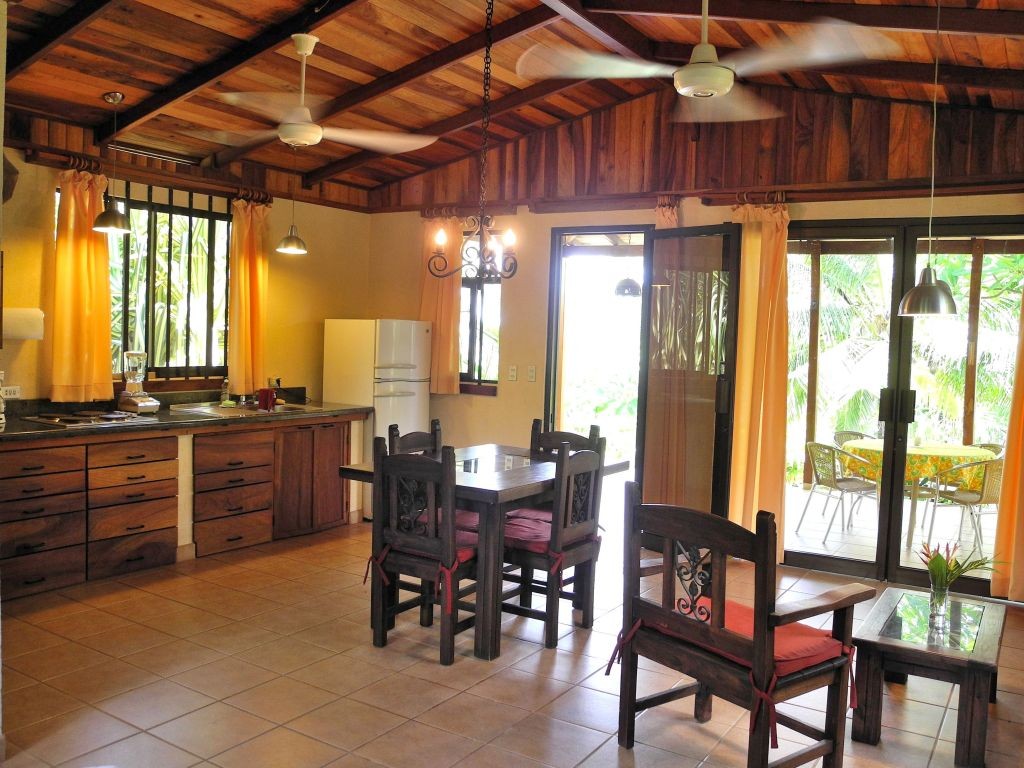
(56, 32)
(313, 15)
(613, 33)
(897, 18)
(452, 124)
(897, 71)
(518, 25)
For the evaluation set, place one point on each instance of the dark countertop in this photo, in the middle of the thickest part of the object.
(18, 429)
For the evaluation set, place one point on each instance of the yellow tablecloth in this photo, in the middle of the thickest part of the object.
(923, 461)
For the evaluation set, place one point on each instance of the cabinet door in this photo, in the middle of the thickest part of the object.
(293, 481)
(328, 495)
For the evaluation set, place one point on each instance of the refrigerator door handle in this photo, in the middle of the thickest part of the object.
(406, 366)
(394, 394)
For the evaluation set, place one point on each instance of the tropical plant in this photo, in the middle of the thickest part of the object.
(944, 567)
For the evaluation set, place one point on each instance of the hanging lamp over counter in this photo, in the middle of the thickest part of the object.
(291, 243)
(112, 221)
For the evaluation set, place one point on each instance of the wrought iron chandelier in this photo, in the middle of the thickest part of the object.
(491, 256)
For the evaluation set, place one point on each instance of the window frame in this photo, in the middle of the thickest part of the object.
(470, 383)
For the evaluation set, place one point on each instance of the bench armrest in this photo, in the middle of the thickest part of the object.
(833, 600)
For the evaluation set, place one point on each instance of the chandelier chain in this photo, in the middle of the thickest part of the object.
(485, 122)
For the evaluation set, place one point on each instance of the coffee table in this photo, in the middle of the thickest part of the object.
(895, 641)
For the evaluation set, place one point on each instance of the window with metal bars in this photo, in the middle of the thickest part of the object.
(169, 282)
(479, 325)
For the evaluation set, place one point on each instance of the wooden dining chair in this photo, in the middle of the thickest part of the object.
(551, 440)
(414, 534)
(415, 442)
(753, 656)
(569, 539)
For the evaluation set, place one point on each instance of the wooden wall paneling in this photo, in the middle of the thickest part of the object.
(982, 135)
(898, 166)
(776, 156)
(837, 165)
(1005, 147)
(710, 157)
(579, 145)
(806, 146)
(954, 159)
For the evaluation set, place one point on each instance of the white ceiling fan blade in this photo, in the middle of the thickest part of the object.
(385, 142)
(271, 105)
(737, 105)
(829, 41)
(234, 138)
(542, 62)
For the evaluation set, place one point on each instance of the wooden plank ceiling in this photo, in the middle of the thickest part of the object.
(416, 65)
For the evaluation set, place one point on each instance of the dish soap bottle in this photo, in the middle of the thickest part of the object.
(225, 397)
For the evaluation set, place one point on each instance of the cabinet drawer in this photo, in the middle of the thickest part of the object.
(125, 554)
(27, 537)
(133, 452)
(213, 453)
(133, 473)
(127, 519)
(233, 532)
(48, 485)
(28, 509)
(234, 478)
(41, 461)
(232, 501)
(29, 574)
(125, 494)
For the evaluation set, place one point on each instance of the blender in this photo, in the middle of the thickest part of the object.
(134, 397)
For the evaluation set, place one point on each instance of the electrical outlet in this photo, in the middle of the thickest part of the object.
(513, 373)
(531, 373)
(11, 393)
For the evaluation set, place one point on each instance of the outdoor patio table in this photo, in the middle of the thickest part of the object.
(923, 463)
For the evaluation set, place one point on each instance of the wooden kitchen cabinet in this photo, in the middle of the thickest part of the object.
(308, 492)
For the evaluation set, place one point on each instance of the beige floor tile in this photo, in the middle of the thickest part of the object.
(20, 637)
(16, 757)
(346, 724)
(466, 672)
(895, 748)
(12, 680)
(331, 581)
(561, 665)
(589, 642)
(72, 734)
(212, 730)
(676, 731)
(284, 655)
(341, 674)
(172, 658)
(337, 635)
(83, 623)
(125, 640)
(102, 681)
(277, 748)
(473, 717)
(488, 756)
(33, 703)
(647, 681)
(336, 604)
(285, 567)
(140, 605)
(352, 761)
(281, 699)
(520, 689)
(138, 751)
(45, 606)
(58, 660)
(153, 704)
(186, 621)
(233, 638)
(732, 750)
(403, 695)
(586, 707)
(396, 655)
(288, 620)
(238, 606)
(611, 755)
(288, 592)
(245, 580)
(224, 677)
(550, 741)
(912, 716)
(415, 745)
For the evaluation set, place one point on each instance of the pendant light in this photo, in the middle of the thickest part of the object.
(930, 296)
(291, 243)
(112, 221)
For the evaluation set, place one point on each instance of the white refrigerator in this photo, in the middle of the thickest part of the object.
(384, 364)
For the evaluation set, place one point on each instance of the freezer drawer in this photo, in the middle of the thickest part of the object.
(403, 350)
(405, 403)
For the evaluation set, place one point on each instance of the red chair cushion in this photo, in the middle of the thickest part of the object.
(465, 547)
(531, 535)
(797, 646)
(530, 513)
(466, 520)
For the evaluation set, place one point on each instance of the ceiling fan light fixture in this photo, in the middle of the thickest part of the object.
(703, 80)
(300, 134)
(292, 244)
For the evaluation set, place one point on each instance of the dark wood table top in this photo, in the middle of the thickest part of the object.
(898, 624)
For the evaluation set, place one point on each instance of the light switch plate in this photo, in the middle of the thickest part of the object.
(11, 393)
(513, 373)
(531, 373)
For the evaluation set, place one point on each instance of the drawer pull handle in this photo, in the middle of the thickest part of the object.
(30, 547)
(33, 468)
(136, 477)
(135, 559)
(307, 426)
(135, 456)
(327, 426)
(236, 462)
(32, 490)
(234, 538)
(234, 509)
(35, 511)
(135, 495)
(40, 580)
(135, 527)
(237, 480)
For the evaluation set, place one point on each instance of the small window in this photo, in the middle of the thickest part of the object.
(479, 324)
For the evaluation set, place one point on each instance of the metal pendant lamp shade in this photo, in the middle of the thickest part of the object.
(111, 221)
(930, 296)
(627, 286)
(292, 243)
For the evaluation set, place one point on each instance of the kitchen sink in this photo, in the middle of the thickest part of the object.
(236, 412)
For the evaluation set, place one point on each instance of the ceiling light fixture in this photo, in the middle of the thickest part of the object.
(291, 243)
(493, 256)
(930, 296)
(627, 286)
(112, 221)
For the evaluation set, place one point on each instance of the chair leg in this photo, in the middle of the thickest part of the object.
(554, 586)
(526, 588)
(627, 698)
(426, 603)
(835, 717)
(584, 588)
(378, 610)
(391, 592)
(840, 507)
(448, 621)
(931, 527)
(702, 704)
(759, 740)
(807, 503)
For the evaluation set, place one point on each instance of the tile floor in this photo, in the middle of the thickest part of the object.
(262, 657)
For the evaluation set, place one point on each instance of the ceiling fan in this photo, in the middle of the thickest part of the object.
(296, 118)
(708, 85)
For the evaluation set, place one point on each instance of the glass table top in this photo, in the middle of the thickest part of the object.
(909, 622)
(497, 462)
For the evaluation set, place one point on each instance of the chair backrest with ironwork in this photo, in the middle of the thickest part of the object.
(416, 442)
(550, 442)
(414, 502)
(844, 436)
(577, 499)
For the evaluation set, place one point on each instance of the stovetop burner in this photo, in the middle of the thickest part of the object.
(89, 418)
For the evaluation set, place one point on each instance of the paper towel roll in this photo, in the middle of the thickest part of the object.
(23, 323)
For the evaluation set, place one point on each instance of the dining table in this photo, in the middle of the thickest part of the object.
(491, 479)
(924, 461)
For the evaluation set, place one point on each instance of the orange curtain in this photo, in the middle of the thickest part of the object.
(759, 416)
(80, 323)
(247, 296)
(1008, 578)
(440, 304)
